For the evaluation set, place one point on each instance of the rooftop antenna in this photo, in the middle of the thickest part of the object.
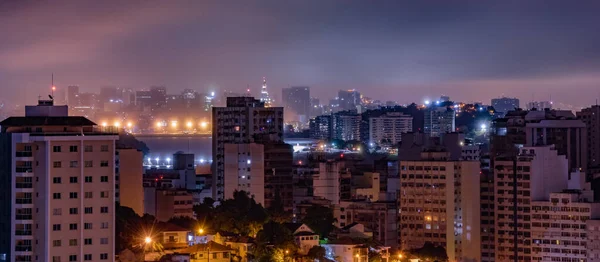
(53, 87)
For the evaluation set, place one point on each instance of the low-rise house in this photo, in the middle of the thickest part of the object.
(346, 250)
(210, 252)
(304, 236)
(242, 246)
(172, 236)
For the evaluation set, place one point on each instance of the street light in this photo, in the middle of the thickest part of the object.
(201, 231)
(147, 241)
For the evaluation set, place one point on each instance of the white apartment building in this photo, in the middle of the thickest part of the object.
(438, 121)
(388, 129)
(327, 183)
(345, 126)
(439, 202)
(57, 178)
(245, 170)
(244, 120)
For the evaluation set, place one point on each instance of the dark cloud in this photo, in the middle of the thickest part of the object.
(472, 50)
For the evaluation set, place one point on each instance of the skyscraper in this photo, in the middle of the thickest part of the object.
(297, 100)
(264, 94)
(73, 95)
(438, 121)
(348, 99)
(57, 184)
(243, 120)
(504, 104)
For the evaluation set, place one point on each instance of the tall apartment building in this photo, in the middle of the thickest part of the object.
(504, 104)
(591, 118)
(388, 129)
(245, 170)
(348, 99)
(296, 100)
(488, 203)
(165, 204)
(346, 126)
(539, 105)
(279, 181)
(537, 171)
(57, 187)
(321, 127)
(243, 120)
(332, 182)
(129, 190)
(438, 121)
(439, 202)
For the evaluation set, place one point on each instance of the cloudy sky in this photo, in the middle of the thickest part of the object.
(388, 50)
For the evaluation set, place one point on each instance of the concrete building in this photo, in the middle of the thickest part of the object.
(245, 170)
(57, 181)
(504, 104)
(440, 203)
(540, 171)
(296, 100)
(367, 186)
(539, 105)
(346, 250)
(346, 126)
(328, 182)
(593, 240)
(438, 121)
(244, 120)
(279, 181)
(321, 127)
(591, 118)
(129, 190)
(379, 217)
(388, 129)
(348, 99)
(165, 204)
(488, 203)
(304, 236)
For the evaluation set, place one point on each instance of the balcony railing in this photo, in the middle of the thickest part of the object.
(24, 154)
(22, 248)
(23, 217)
(23, 232)
(24, 185)
(24, 170)
(24, 201)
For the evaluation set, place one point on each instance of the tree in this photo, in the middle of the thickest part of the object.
(320, 219)
(185, 222)
(430, 252)
(240, 215)
(277, 212)
(317, 252)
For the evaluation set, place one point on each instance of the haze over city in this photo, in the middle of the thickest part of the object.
(388, 50)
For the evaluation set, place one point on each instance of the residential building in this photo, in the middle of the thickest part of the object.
(129, 189)
(204, 253)
(388, 129)
(242, 247)
(278, 177)
(57, 180)
(539, 171)
(346, 250)
(438, 121)
(591, 118)
(380, 217)
(321, 127)
(440, 203)
(593, 240)
(346, 126)
(488, 203)
(244, 120)
(539, 105)
(165, 204)
(367, 186)
(331, 182)
(304, 236)
(296, 100)
(172, 236)
(73, 96)
(504, 104)
(348, 99)
(245, 170)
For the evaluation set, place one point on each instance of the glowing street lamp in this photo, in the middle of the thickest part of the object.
(201, 231)
(117, 124)
(147, 240)
(104, 124)
(129, 124)
(203, 124)
(189, 124)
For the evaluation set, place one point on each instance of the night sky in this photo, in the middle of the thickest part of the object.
(388, 50)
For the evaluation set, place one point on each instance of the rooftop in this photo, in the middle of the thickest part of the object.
(15, 121)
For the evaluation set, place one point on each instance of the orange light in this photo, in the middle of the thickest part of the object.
(53, 88)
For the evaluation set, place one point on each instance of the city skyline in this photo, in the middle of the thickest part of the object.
(532, 51)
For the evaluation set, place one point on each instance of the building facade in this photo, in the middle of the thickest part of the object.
(321, 127)
(504, 104)
(129, 190)
(438, 121)
(58, 181)
(346, 127)
(296, 99)
(591, 118)
(388, 129)
(244, 120)
(245, 171)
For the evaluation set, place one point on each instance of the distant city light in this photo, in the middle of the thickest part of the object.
(203, 124)
(157, 159)
(104, 124)
(212, 94)
(437, 102)
(168, 160)
(202, 160)
(174, 123)
(427, 102)
(248, 161)
(129, 124)
(159, 124)
(483, 126)
(117, 124)
(189, 124)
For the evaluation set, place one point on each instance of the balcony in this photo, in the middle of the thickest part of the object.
(24, 170)
(23, 232)
(23, 248)
(24, 201)
(24, 154)
(24, 185)
(23, 217)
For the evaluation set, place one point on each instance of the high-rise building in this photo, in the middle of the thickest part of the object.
(346, 126)
(297, 100)
(440, 204)
(264, 94)
(438, 121)
(73, 95)
(591, 117)
(244, 171)
(321, 127)
(388, 129)
(487, 230)
(539, 105)
(504, 104)
(348, 99)
(129, 190)
(279, 181)
(158, 97)
(243, 120)
(57, 180)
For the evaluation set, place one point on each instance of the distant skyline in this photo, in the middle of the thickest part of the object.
(387, 50)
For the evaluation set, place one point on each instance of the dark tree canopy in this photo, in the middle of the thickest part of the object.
(320, 219)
